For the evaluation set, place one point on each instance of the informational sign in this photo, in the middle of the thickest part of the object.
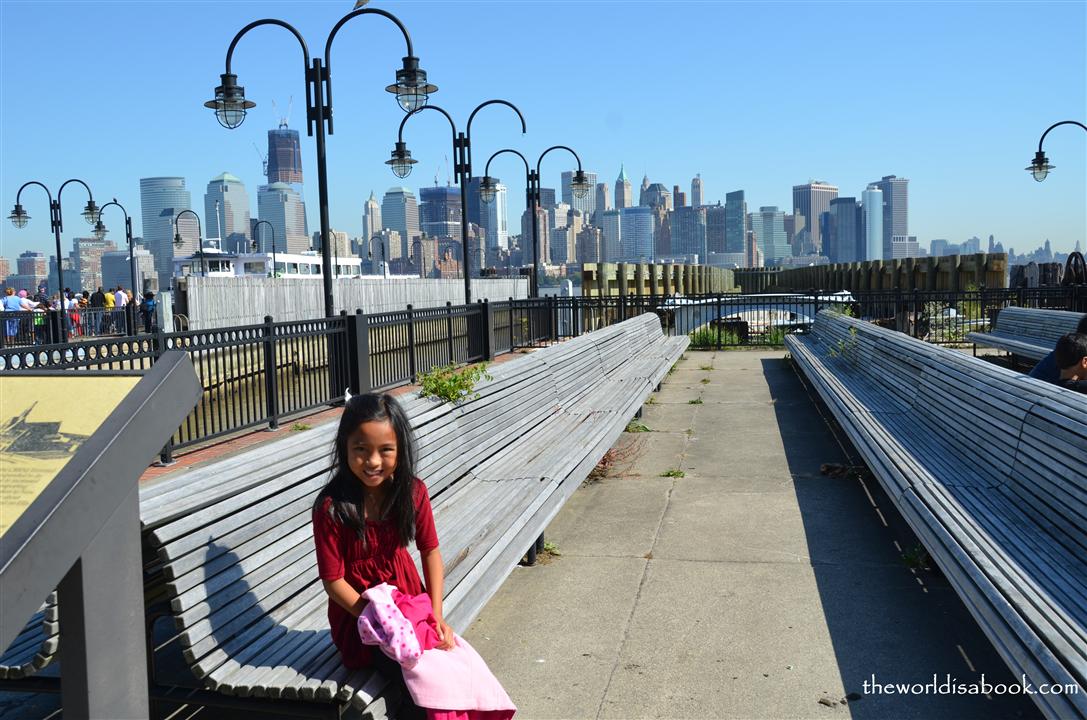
(43, 421)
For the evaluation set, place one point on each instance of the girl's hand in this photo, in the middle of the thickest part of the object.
(445, 636)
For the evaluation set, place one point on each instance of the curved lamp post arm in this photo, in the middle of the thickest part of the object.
(33, 182)
(468, 129)
(90, 195)
(114, 202)
(557, 147)
(413, 113)
(487, 168)
(1062, 122)
(199, 228)
(293, 31)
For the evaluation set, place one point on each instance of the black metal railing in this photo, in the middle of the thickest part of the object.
(256, 375)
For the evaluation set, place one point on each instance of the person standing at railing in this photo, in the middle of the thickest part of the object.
(120, 300)
(40, 327)
(94, 317)
(108, 301)
(11, 304)
(147, 309)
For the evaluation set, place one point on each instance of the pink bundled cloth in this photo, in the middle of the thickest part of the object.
(451, 684)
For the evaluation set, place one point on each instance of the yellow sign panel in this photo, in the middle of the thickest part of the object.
(43, 421)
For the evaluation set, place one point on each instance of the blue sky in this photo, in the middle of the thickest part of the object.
(754, 96)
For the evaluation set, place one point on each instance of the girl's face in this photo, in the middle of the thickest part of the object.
(371, 452)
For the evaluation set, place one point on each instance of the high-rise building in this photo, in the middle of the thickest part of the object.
(440, 212)
(33, 269)
(281, 206)
(341, 243)
(117, 270)
(872, 217)
(895, 210)
(624, 196)
(475, 205)
(284, 156)
(5, 268)
(496, 221)
(905, 246)
(543, 230)
(768, 224)
(969, 247)
(558, 216)
(715, 227)
(811, 200)
(400, 212)
(697, 198)
(657, 196)
(161, 199)
(603, 203)
(636, 235)
(735, 221)
(939, 247)
(610, 224)
(641, 192)
(227, 194)
(87, 257)
(587, 204)
(793, 225)
(688, 232)
(590, 243)
(371, 218)
(547, 198)
(753, 257)
(679, 198)
(846, 242)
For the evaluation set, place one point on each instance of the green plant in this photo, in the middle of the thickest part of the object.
(696, 401)
(705, 381)
(637, 426)
(448, 383)
(551, 549)
(673, 474)
(651, 400)
(705, 367)
(300, 427)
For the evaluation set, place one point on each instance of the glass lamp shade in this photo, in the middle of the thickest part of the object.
(230, 104)
(411, 87)
(100, 231)
(18, 217)
(1039, 167)
(487, 189)
(401, 161)
(580, 185)
(90, 213)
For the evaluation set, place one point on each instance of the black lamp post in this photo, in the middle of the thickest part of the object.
(272, 228)
(488, 186)
(401, 162)
(178, 240)
(370, 254)
(100, 233)
(230, 106)
(1039, 166)
(19, 219)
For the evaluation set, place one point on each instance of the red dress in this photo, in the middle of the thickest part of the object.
(340, 554)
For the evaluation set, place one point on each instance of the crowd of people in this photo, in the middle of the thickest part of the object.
(85, 314)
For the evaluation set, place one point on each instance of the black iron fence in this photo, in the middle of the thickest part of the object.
(258, 375)
(40, 327)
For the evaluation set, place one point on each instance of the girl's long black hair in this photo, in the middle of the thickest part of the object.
(346, 490)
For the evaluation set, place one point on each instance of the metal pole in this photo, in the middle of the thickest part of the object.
(316, 77)
(533, 188)
(132, 276)
(460, 154)
(54, 208)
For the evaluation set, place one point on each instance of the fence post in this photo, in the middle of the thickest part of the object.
(487, 318)
(449, 329)
(717, 320)
(622, 307)
(358, 353)
(271, 399)
(553, 318)
(411, 342)
(509, 314)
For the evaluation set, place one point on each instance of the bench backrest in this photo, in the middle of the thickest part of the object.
(1045, 326)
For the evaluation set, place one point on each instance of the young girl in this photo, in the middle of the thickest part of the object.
(364, 518)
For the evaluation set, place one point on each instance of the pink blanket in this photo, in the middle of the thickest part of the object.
(457, 680)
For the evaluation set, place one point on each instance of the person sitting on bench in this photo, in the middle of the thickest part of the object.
(1071, 358)
(1046, 369)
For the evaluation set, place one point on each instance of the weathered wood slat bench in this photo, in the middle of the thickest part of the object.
(989, 467)
(1028, 332)
(232, 541)
(35, 647)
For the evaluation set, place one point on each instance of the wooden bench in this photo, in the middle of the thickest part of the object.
(1027, 332)
(232, 541)
(990, 470)
(36, 646)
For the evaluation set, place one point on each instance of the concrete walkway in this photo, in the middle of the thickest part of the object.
(751, 586)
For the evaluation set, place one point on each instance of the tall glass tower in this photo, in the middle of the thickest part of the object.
(284, 155)
(227, 194)
(161, 199)
(735, 221)
(872, 213)
(811, 201)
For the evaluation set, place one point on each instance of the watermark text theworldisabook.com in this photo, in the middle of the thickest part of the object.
(950, 685)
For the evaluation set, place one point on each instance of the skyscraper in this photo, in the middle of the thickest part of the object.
(715, 227)
(544, 234)
(87, 255)
(440, 212)
(161, 199)
(656, 196)
(496, 222)
(371, 219)
(846, 242)
(679, 198)
(284, 156)
(610, 223)
(547, 198)
(624, 196)
(636, 241)
(872, 214)
(735, 222)
(281, 206)
(768, 224)
(895, 210)
(696, 191)
(811, 200)
(603, 203)
(587, 204)
(232, 222)
(641, 191)
(688, 227)
(400, 212)
(794, 224)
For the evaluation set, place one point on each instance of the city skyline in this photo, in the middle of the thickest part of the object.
(965, 171)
